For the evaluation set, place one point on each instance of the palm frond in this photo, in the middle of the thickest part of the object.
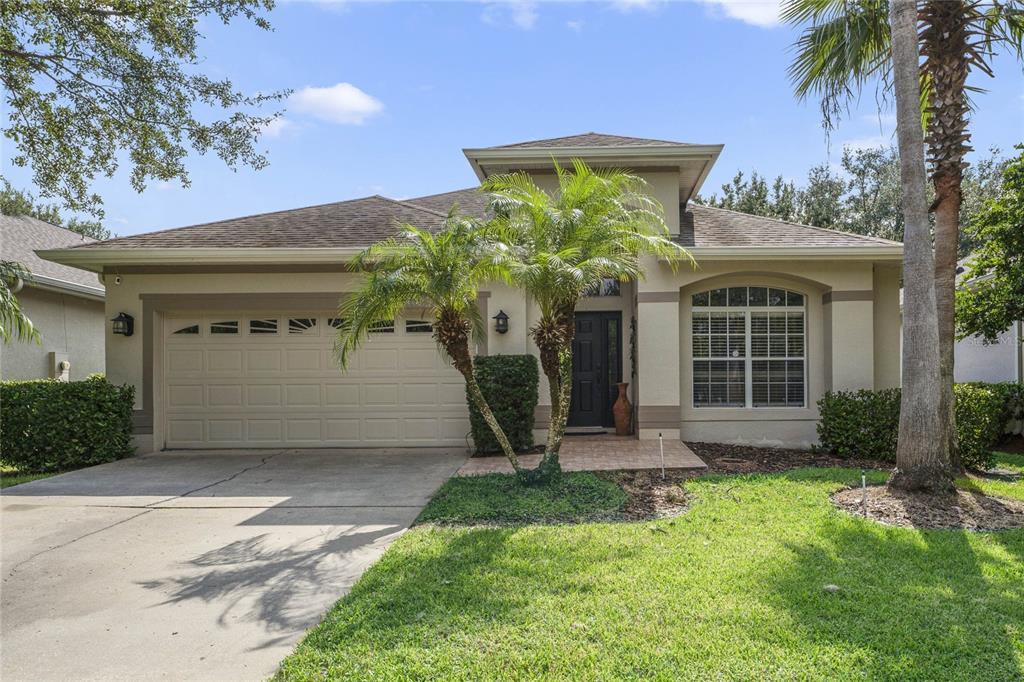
(14, 323)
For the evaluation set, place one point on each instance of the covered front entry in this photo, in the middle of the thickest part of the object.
(596, 368)
(267, 379)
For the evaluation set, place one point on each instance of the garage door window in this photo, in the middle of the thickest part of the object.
(418, 327)
(383, 327)
(302, 325)
(224, 327)
(188, 329)
(263, 326)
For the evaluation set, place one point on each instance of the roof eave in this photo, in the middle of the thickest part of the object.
(668, 154)
(95, 259)
(63, 286)
(873, 253)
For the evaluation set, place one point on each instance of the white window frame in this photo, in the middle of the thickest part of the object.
(748, 359)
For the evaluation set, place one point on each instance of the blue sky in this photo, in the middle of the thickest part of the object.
(388, 93)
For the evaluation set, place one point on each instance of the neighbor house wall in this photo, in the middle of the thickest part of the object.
(71, 326)
(1000, 361)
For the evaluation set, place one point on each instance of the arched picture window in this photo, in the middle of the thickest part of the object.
(749, 347)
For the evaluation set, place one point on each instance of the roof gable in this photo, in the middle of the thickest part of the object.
(592, 139)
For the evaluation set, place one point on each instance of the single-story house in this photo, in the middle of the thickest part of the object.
(233, 320)
(64, 303)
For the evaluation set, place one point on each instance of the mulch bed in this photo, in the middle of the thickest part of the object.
(651, 497)
(963, 510)
(744, 459)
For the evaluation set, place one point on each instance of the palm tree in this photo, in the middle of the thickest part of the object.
(597, 225)
(13, 321)
(921, 461)
(441, 271)
(848, 45)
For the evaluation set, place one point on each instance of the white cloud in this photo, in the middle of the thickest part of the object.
(342, 103)
(276, 126)
(630, 5)
(574, 25)
(521, 13)
(763, 13)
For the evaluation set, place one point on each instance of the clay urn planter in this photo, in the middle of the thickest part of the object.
(622, 410)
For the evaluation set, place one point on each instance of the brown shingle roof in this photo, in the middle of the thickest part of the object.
(703, 226)
(353, 223)
(471, 202)
(22, 236)
(592, 140)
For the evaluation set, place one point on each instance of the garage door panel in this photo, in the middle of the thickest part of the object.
(263, 360)
(260, 430)
(185, 360)
(224, 395)
(342, 430)
(302, 395)
(285, 389)
(185, 395)
(224, 360)
(225, 430)
(263, 395)
(302, 359)
(298, 430)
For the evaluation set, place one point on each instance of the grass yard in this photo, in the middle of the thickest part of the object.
(732, 589)
(10, 476)
(1003, 488)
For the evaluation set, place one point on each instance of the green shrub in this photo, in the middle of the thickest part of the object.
(53, 426)
(866, 423)
(509, 383)
(1012, 394)
(980, 419)
(860, 423)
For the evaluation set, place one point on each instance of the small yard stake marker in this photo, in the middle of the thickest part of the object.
(864, 492)
(661, 444)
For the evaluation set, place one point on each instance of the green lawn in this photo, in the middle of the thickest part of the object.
(498, 498)
(1014, 489)
(730, 590)
(10, 475)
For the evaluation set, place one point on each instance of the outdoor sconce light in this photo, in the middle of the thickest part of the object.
(501, 322)
(124, 324)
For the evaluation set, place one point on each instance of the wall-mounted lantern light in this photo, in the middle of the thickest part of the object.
(123, 324)
(501, 322)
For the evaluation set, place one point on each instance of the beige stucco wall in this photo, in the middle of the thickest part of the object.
(69, 325)
(850, 311)
(843, 329)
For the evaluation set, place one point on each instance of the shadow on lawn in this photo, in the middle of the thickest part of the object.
(912, 604)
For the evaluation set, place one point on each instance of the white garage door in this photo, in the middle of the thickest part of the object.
(270, 380)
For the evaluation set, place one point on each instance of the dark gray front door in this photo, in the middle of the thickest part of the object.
(596, 368)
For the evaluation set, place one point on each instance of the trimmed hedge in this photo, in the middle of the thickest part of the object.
(866, 423)
(509, 383)
(54, 426)
(860, 423)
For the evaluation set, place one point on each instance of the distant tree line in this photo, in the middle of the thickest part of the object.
(863, 197)
(15, 202)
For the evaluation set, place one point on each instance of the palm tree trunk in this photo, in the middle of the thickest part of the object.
(945, 36)
(922, 453)
(553, 337)
(452, 332)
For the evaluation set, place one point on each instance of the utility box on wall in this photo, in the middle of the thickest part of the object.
(60, 367)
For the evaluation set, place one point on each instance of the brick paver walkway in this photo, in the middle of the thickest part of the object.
(598, 453)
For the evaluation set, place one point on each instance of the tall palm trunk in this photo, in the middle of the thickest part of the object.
(922, 451)
(553, 337)
(452, 333)
(944, 44)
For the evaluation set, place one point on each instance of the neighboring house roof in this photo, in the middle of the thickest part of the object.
(22, 236)
(592, 139)
(471, 201)
(354, 223)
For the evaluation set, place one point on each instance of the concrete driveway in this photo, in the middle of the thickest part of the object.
(194, 565)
